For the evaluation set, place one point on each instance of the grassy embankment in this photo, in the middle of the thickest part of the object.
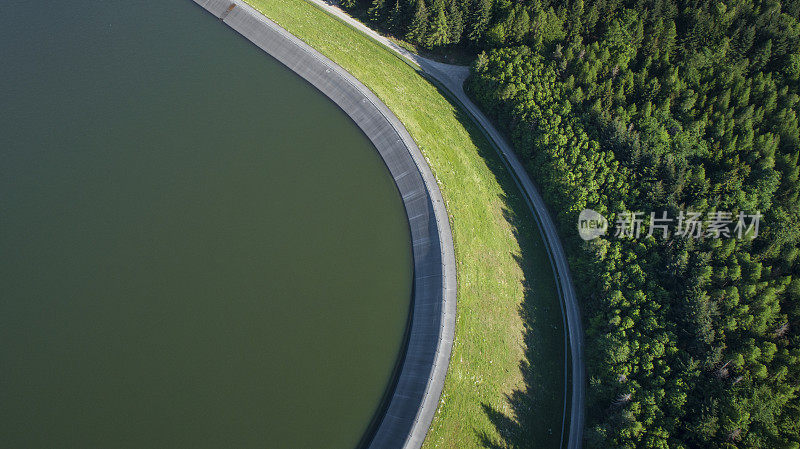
(505, 382)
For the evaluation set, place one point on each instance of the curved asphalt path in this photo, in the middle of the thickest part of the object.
(415, 395)
(452, 77)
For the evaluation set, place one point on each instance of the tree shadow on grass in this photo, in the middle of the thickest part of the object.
(533, 414)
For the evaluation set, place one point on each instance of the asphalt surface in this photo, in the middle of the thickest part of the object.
(452, 77)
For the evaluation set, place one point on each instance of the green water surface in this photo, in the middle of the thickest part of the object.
(197, 249)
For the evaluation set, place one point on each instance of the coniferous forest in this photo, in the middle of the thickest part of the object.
(664, 106)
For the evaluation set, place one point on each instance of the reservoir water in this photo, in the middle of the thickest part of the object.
(197, 249)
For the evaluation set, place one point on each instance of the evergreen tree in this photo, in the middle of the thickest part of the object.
(455, 20)
(418, 30)
(520, 25)
(575, 24)
(348, 4)
(479, 17)
(438, 30)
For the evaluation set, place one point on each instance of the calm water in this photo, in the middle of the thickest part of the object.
(197, 249)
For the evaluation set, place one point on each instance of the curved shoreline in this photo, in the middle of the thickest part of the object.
(452, 78)
(415, 398)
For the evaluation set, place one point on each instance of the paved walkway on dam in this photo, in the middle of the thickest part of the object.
(420, 379)
(452, 77)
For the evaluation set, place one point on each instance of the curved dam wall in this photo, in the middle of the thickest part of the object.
(415, 397)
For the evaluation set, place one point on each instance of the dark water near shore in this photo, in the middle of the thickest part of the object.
(197, 249)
